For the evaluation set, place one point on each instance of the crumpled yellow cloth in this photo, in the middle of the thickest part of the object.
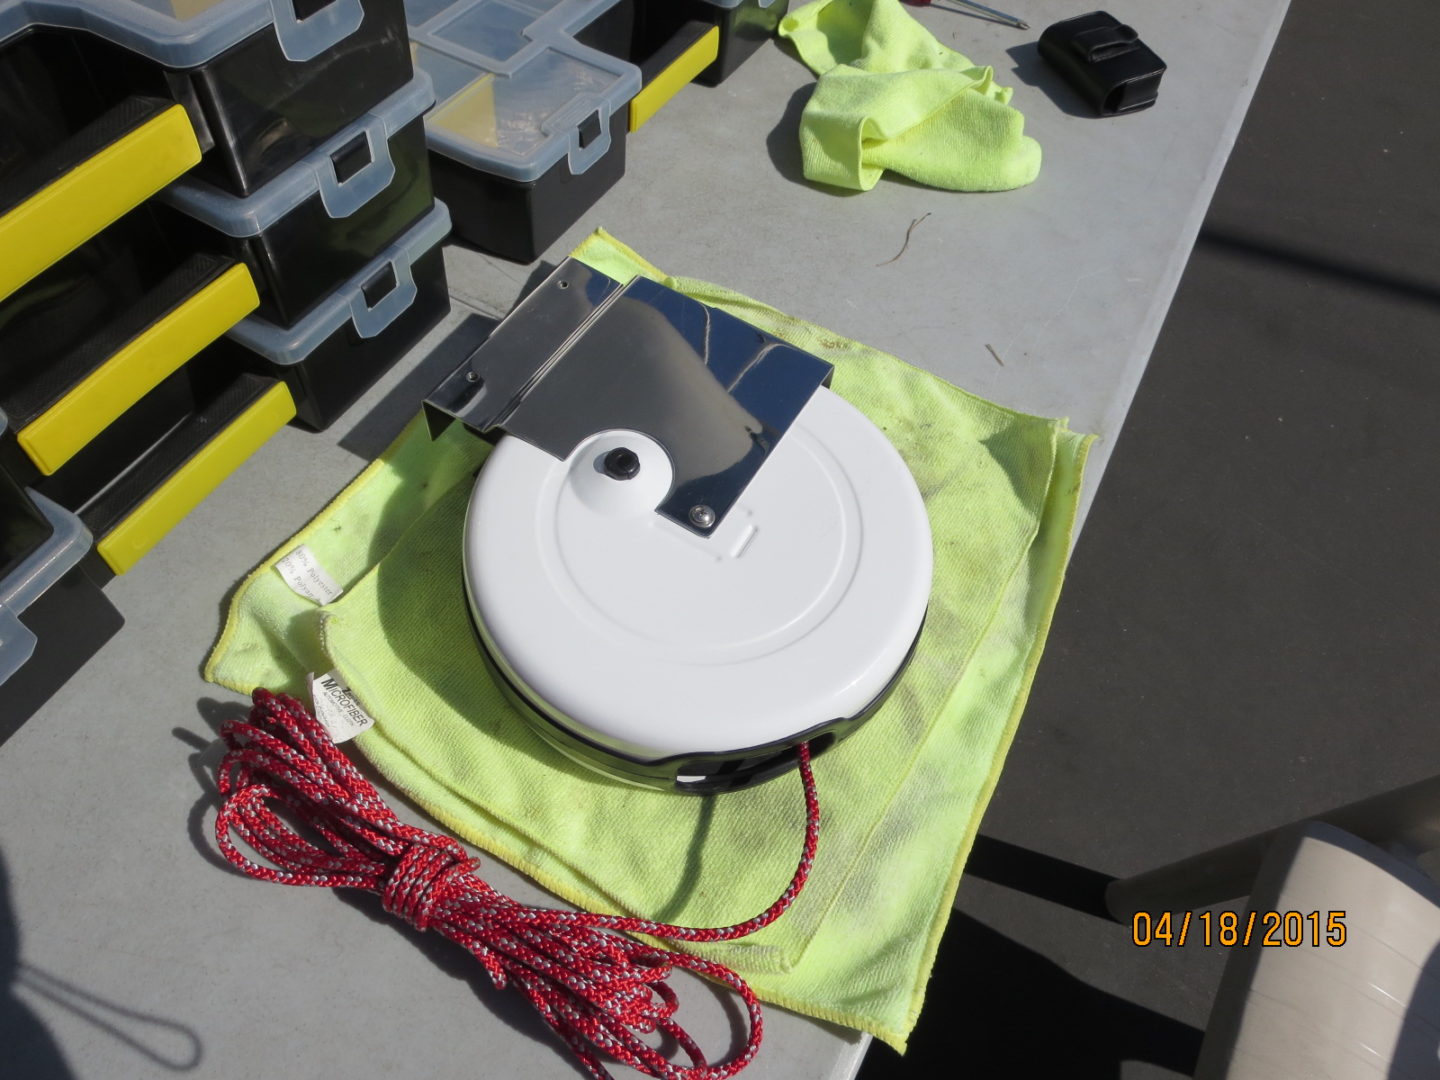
(892, 97)
(901, 799)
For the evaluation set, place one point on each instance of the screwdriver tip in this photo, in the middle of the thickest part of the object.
(1022, 26)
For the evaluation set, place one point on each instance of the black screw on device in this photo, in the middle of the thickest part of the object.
(622, 463)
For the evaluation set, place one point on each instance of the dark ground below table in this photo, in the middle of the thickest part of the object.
(1249, 631)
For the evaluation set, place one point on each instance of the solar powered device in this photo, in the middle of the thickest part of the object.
(685, 555)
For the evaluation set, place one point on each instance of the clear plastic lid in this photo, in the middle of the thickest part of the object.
(513, 88)
(188, 33)
(348, 303)
(315, 173)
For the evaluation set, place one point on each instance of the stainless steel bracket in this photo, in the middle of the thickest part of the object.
(583, 354)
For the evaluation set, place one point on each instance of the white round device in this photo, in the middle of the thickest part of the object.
(665, 657)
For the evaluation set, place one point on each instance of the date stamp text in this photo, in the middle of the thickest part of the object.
(1272, 929)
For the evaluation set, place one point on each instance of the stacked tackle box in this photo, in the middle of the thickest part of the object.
(356, 332)
(535, 98)
(182, 182)
(529, 124)
(344, 246)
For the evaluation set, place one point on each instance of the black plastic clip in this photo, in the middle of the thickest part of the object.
(1105, 61)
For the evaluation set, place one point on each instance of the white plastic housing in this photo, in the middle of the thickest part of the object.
(652, 641)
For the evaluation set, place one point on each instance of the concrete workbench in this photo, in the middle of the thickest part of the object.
(141, 954)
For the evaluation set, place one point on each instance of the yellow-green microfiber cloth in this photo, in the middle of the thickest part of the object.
(892, 97)
(900, 799)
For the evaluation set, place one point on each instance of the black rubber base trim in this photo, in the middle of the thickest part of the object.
(713, 772)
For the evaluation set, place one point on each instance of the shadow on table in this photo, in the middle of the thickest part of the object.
(373, 432)
(23, 1035)
(783, 142)
(508, 1005)
(203, 762)
(783, 146)
(1042, 876)
(1032, 70)
(27, 1047)
(996, 1008)
(377, 429)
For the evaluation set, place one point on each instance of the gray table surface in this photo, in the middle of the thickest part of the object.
(142, 957)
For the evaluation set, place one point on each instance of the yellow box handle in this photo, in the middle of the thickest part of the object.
(68, 211)
(97, 401)
(668, 83)
(129, 541)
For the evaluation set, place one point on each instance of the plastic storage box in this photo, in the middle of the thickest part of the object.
(139, 477)
(324, 219)
(264, 81)
(73, 159)
(529, 126)
(53, 617)
(90, 336)
(337, 351)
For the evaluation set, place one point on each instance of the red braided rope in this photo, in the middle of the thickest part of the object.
(598, 990)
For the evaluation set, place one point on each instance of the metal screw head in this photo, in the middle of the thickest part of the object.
(702, 517)
(622, 463)
(472, 376)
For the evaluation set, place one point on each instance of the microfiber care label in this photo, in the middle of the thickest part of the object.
(303, 573)
(336, 708)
